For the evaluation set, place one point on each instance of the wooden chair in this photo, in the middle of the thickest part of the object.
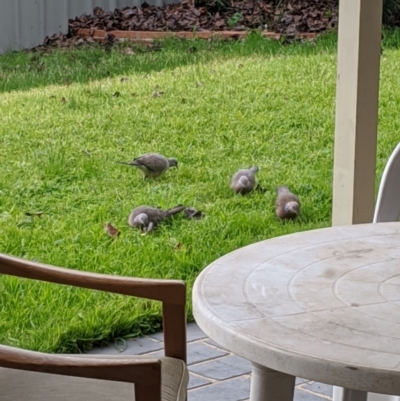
(27, 375)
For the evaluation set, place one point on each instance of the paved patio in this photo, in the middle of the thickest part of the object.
(215, 374)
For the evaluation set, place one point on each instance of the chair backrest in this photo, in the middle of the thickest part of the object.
(387, 207)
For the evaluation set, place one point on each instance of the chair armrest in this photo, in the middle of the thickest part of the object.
(169, 291)
(144, 371)
(172, 293)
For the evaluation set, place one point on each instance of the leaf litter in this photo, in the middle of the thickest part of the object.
(286, 17)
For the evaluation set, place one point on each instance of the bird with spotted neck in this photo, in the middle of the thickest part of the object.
(243, 181)
(148, 218)
(152, 164)
(287, 205)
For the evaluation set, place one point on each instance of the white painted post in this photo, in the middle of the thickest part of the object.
(356, 111)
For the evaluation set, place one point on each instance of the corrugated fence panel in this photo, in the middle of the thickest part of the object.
(54, 12)
(8, 33)
(25, 23)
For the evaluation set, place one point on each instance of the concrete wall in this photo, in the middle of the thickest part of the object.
(25, 23)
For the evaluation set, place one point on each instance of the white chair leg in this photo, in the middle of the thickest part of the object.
(382, 397)
(337, 393)
(338, 396)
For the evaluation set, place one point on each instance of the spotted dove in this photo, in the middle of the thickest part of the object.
(287, 204)
(244, 180)
(152, 164)
(147, 217)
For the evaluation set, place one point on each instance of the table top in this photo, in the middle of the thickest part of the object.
(322, 304)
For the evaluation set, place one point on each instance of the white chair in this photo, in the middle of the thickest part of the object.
(387, 209)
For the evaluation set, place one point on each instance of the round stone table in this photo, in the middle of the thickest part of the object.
(322, 305)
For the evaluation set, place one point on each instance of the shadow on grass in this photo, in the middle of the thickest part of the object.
(25, 70)
(76, 341)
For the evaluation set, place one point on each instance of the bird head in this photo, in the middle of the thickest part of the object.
(243, 181)
(173, 162)
(254, 169)
(141, 220)
(292, 208)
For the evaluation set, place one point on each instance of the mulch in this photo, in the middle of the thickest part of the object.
(284, 17)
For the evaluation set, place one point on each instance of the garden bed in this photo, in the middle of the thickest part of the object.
(287, 17)
(299, 19)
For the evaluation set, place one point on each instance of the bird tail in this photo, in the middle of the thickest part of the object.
(283, 189)
(174, 210)
(133, 163)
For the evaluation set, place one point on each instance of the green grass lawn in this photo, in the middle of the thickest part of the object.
(225, 106)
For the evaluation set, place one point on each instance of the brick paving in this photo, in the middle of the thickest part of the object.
(215, 373)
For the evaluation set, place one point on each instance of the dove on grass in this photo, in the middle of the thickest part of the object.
(287, 204)
(147, 217)
(152, 164)
(244, 180)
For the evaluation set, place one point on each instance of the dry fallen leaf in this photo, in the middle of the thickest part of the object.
(128, 51)
(178, 246)
(111, 230)
(37, 214)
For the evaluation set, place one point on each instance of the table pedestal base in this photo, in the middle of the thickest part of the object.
(270, 385)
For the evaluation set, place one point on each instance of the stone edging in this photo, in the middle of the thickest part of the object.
(99, 34)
